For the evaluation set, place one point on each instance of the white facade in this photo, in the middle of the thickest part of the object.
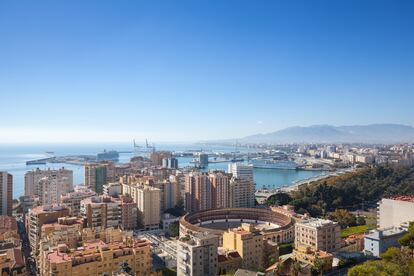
(394, 212)
(197, 255)
(48, 184)
(240, 170)
(378, 241)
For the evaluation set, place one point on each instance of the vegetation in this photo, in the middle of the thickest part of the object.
(279, 199)
(174, 229)
(285, 248)
(344, 218)
(168, 272)
(356, 230)
(178, 209)
(351, 190)
(394, 261)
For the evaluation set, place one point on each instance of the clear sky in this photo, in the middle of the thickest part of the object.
(190, 70)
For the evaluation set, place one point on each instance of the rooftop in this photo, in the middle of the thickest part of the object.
(48, 209)
(7, 223)
(317, 222)
(409, 198)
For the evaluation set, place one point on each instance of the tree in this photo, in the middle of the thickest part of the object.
(343, 217)
(174, 229)
(360, 221)
(178, 209)
(279, 199)
(374, 268)
(408, 239)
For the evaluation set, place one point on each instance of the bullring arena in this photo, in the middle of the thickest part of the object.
(273, 225)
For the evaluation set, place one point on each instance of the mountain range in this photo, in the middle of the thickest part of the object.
(374, 133)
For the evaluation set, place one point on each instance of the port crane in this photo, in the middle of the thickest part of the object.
(143, 150)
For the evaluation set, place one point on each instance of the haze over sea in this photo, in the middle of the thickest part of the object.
(13, 159)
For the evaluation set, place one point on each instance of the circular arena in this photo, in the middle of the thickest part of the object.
(275, 226)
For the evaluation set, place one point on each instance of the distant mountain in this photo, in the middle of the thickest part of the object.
(376, 133)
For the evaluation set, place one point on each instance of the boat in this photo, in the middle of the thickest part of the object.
(274, 164)
(111, 155)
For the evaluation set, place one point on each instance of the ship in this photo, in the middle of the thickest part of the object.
(111, 155)
(274, 164)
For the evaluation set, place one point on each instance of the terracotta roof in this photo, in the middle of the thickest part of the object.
(7, 223)
(409, 198)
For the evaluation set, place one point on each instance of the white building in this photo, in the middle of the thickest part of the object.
(197, 255)
(240, 170)
(392, 212)
(378, 241)
(113, 189)
(48, 184)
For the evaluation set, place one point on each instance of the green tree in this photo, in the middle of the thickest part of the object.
(343, 217)
(408, 239)
(174, 229)
(375, 268)
(279, 199)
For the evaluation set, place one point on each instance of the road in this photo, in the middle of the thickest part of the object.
(30, 262)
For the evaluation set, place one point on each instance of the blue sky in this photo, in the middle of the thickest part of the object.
(191, 70)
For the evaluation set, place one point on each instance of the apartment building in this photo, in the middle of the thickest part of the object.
(318, 234)
(148, 200)
(65, 230)
(48, 185)
(6, 193)
(241, 193)
(98, 258)
(252, 246)
(73, 199)
(392, 212)
(100, 211)
(197, 255)
(39, 216)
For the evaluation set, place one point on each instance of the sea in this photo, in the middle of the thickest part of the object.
(13, 159)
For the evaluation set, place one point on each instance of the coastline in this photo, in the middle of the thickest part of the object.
(262, 194)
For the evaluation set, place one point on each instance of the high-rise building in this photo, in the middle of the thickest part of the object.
(101, 212)
(206, 191)
(48, 184)
(318, 234)
(157, 157)
(392, 212)
(148, 202)
(73, 199)
(241, 193)
(198, 192)
(39, 216)
(220, 190)
(170, 163)
(169, 194)
(203, 159)
(95, 177)
(129, 213)
(242, 171)
(197, 255)
(6, 193)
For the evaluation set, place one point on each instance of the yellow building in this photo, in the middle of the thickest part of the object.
(251, 245)
(307, 255)
(148, 200)
(65, 230)
(97, 257)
